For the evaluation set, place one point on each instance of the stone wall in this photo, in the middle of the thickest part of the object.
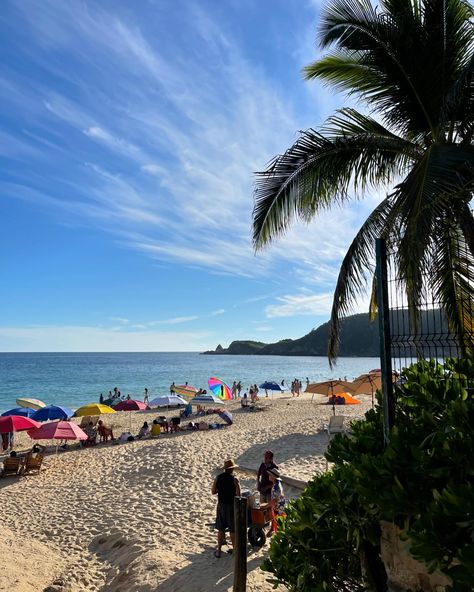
(405, 573)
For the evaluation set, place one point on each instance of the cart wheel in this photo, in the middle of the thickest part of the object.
(256, 536)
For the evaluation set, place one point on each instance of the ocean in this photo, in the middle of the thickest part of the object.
(74, 379)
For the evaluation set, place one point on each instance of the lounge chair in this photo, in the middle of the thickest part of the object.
(33, 463)
(335, 425)
(13, 465)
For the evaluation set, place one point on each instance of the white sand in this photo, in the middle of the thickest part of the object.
(136, 516)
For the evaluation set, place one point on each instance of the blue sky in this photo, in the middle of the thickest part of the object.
(129, 134)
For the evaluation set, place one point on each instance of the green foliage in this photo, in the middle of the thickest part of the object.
(423, 481)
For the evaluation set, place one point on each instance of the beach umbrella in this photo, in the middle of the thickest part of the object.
(219, 388)
(226, 416)
(58, 430)
(329, 388)
(130, 405)
(52, 412)
(206, 400)
(32, 403)
(16, 423)
(167, 401)
(366, 384)
(270, 386)
(23, 411)
(185, 390)
(93, 409)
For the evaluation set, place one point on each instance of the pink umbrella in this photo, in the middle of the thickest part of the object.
(58, 430)
(16, 423)
(130, 405)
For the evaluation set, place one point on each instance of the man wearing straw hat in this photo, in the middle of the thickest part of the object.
(226, 486)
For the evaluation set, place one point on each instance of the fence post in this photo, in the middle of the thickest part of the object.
(240, 545)
(383, 308)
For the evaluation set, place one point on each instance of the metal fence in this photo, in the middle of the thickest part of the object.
(405, 338)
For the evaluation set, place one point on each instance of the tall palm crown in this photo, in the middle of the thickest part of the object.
(411, 62)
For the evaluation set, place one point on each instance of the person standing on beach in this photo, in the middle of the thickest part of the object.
(264, 485)
(172, 389)
(145, 398)
(227, 487)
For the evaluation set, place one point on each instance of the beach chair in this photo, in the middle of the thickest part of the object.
(86, 419)
(12, 466)
(335, 425)
(33, 463)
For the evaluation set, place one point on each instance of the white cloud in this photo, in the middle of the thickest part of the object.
(217, 312)
(120, 320)
(309, 304)
(174, 321)
(84, 338)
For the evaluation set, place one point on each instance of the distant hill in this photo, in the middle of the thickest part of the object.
(359, 337)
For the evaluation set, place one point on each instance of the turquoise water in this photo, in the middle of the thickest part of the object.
(73, 379)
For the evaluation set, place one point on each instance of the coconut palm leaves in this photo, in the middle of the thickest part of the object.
(412, 63)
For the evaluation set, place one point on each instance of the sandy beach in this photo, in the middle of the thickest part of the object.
(138, 516)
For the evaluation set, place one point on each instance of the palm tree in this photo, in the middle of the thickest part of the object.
(411, 62)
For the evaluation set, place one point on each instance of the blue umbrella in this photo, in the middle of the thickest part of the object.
(23, 411)
(270, 386)
(51, 412)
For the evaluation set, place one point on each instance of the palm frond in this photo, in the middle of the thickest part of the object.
(400, 87)
(356, 269)
(317, 171)
(451, 282)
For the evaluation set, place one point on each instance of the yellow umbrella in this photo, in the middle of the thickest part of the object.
(93, 409)
(31, 403)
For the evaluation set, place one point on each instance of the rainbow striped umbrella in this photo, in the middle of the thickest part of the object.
(219, 388)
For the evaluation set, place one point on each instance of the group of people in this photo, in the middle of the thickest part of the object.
(297, 387)
(226, 486)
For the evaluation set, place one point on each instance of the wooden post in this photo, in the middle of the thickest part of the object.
(240, 546)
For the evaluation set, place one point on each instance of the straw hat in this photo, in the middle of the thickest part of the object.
(229, 464)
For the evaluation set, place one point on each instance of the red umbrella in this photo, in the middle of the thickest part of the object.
(130, 405)
(58, 430)
(16, 423)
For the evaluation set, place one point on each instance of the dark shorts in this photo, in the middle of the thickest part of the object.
(225, 517)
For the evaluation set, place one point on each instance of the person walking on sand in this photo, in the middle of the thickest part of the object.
(227, 487)
(172, 389)
(239, 388)
(145, 398)
(264, 485)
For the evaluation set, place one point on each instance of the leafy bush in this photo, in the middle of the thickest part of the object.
(422, 481)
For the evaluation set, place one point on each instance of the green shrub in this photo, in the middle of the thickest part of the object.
(422, 481)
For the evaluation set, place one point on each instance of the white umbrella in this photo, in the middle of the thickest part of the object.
(31, 403)
(167, 401)
(206, 400)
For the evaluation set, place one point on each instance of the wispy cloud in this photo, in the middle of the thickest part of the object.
(174, 321)
(217, 312)
(200, 133)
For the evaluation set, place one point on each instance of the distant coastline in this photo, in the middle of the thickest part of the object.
(359, 338)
